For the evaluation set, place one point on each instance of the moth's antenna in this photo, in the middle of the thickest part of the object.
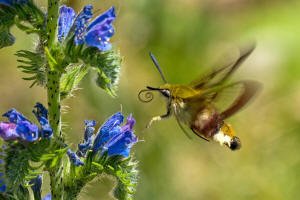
(157, 66)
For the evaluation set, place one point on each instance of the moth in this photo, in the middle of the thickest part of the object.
(200, 105)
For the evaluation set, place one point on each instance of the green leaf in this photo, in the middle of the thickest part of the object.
(71, 79)
(106, 63)
(33, 64)
(6, 39)
(126, 174)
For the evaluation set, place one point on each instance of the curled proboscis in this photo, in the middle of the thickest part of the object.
(145, 96)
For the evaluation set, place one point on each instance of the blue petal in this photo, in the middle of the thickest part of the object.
(74, 158)
(27, 131)
(113, 121)
(8, 131)
(89, 129)
(47, 197)
(90, 123)
(100, 35)
(41, 111)
(129, 124)
(121, 144)
(109, 128)
(88, 138)
(110, 13)
(65, 21)
(81, 22)
(47, 131)
(14, 116)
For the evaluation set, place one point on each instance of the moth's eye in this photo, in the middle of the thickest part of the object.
(166, 93)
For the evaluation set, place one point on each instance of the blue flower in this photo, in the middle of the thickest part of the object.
(47, 197)
(41, 113)
(37, 184)
(81, 23)
(74, 158)
(20, 127)
(114, 139)
(107, 130)
(27, 131)
(96, 34)
(88, 138)
(65, 21)
(14, 116)
(11, 2)
(101, 30)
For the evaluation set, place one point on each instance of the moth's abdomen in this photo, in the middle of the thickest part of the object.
(206, 122)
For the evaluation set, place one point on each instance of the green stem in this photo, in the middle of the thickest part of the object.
(53, 92)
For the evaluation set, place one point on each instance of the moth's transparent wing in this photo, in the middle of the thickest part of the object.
(219, 76)
(227, 99)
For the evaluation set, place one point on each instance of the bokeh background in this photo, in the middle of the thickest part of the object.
(188, 38)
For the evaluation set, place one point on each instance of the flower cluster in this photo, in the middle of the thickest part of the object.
(110, 138)
(114, 139)
(19, 126)
(96, 34)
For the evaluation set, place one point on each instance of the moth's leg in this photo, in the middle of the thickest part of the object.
(161, 117)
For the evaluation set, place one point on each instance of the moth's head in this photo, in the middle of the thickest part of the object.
(164, 90)
(225, 136)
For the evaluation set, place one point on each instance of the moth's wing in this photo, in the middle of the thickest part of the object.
(182, 127)
(227, 99)
(248, 90)
(222, 74)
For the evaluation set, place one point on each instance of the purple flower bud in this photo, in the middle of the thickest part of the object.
(8, 131)
(88, 138)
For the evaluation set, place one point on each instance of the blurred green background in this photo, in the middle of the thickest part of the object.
(188, 38)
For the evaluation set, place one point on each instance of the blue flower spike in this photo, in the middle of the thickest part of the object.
(74, 158)
(88, 138)
(65, 21)
(114, 139)
(20, 127)
(96, 34)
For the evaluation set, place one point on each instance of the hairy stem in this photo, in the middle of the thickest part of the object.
(53, 92)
